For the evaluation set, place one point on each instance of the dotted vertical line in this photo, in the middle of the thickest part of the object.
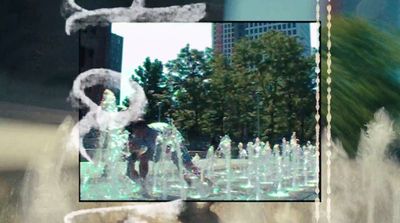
(329, 116)
(317, 115)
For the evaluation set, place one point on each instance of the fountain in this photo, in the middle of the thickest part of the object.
(250, 166)
(278, 192)
(225, 146)
(242, 152)
(260, 173)
(257, 166)
(210, 161)
(294, 164)
(107, 165)
(171, 143)
(266, 165)
(267, 175)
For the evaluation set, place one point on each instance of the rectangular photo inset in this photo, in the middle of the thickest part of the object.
(230, 113)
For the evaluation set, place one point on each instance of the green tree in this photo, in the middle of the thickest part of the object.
(218, 99)
(187, 78)
(273, 75)
(151, 77)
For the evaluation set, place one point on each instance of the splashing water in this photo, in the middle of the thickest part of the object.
(108, 166)
(233, 179)
(365, 189)
(225, 146)
(370, 184)
(45, 181)
(49, 191)
(366, 192)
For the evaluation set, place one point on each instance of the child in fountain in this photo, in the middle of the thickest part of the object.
(143, 148)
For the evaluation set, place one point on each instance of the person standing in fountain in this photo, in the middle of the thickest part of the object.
(142, 147)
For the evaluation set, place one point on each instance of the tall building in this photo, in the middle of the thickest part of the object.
(99, 48)
(226, 34)
(115, 52)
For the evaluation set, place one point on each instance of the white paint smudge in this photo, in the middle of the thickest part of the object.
(167, 212)
(79, 18)
(96, 117)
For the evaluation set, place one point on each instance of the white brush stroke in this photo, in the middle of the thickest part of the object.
(79, 18)
(96, 117)
(167, 211)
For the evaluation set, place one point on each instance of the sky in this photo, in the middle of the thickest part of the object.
(314, 35)
(163, 41)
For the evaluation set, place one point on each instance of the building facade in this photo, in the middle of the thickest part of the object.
(226, 34)
(99, 48)
(115, 52)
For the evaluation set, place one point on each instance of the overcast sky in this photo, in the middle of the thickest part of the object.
(163, 41)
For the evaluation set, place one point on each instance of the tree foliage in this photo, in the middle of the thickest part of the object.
(151, 77)
(272, 75)
(187, 79)
(265, 89)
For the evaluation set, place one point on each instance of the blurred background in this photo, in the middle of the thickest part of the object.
(38, 63)
(366, 68)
